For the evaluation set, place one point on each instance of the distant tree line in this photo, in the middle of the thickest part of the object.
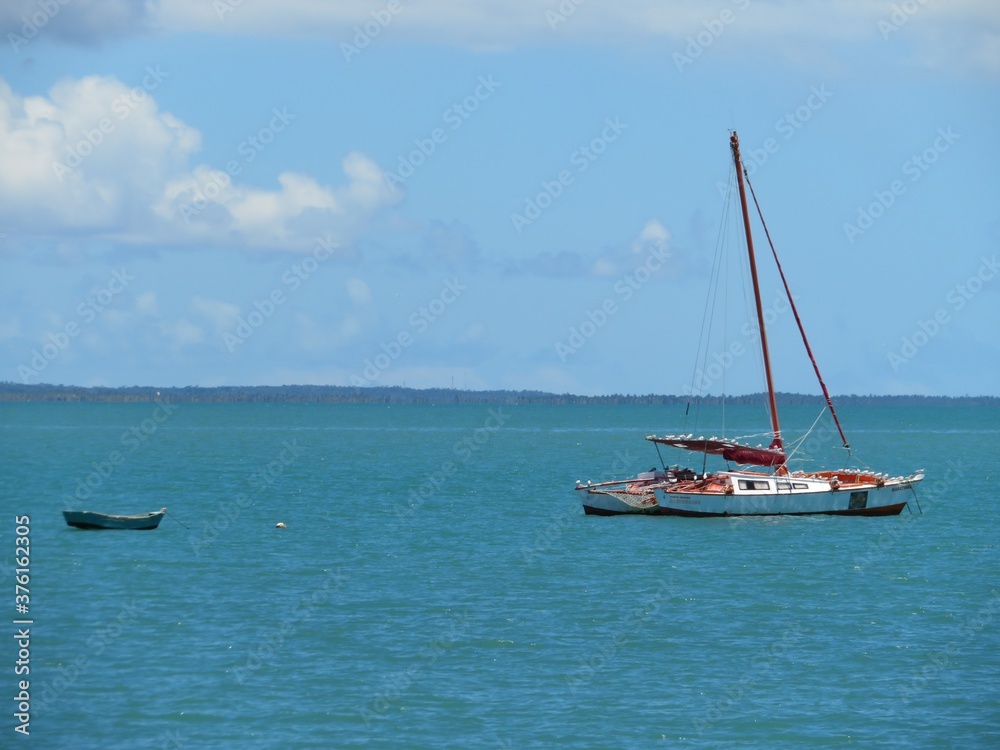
(335, 394)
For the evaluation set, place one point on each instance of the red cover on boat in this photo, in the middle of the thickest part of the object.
(741, 454)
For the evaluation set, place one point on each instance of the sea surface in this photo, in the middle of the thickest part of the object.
(438, 586)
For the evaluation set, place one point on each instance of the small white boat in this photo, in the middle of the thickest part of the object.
(88, 519)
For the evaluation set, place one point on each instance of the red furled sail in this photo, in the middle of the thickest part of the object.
(741, 454)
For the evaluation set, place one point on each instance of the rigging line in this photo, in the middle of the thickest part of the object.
(798, 443)
(660, 456)
(758, 358)
(733, 238)
(705, 332)
(747, 438)
(795, 312)
(914, 492)
(714, 283)
(754, 326)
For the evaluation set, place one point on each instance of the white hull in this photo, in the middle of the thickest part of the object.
(788, 495)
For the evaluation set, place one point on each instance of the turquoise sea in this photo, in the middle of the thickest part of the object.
(438, 586)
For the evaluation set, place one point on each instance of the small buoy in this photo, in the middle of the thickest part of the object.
(279, 525)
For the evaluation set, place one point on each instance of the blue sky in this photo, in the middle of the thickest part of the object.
(519, 195)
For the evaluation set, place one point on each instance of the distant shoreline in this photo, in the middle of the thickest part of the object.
(334, 394)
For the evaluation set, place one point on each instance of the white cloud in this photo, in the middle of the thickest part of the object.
(98, 157)
(222, 315)
(649, 249)
(85, 157)
(350, 327)
(182, 333)
(474, 332)
(653, 234)
(962, 36)
(206, 204)
(969, 30)
(358, 290)
(145, 304)
(10, 329)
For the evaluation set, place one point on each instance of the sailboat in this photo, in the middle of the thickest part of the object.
(771, 488)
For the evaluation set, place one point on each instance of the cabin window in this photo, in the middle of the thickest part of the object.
(858, 500)
(754, 484)
(787, 486)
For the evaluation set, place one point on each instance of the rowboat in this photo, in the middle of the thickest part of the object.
(88, 519)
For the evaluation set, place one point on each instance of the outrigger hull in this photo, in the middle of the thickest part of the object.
(628, 497)
(602, 504)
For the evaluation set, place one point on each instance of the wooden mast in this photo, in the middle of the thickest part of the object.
(775, 427)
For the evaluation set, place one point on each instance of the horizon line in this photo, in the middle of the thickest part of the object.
(14, 387)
